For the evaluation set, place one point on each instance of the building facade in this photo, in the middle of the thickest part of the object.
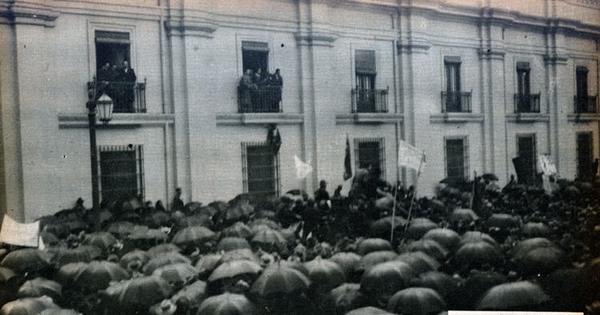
(473, 83)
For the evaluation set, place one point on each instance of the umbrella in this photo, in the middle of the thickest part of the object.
(228, 304)
(157, 219)
(368, 310)
(277, 280)
(570, 289)
(56, 228)
(265, 214)
(477, 255)
(465, 215)
(103, 240)
(385, 279)
(191, 295)
(347, 260)
(207, 263)
(241, 211)
(27, 306)
(418, 227)
(238, 229)
(121, 228)
(162, 249)
(39, 287)
(236, 254)
(344, 298)
(134, 260)
(6, 274)
(137, 294)
(489, 176)
(165, 259)
(440, 282)
(503, 221)
(374, 258)
(445, 237)
(85, 253)
(295, 264)
(416, 301)
(259, 224)
(540, 260)
(194, 220)
(383, 226)
(474, 236)
(269, 240)
(26, 260)
(429, 247)
(97, 275)
(219, 205)
(147, 235)
(521, 296)
(371, 245)
(527, 245)
(535, 229)
(231, 243)
(67, 273)
(178, 274)
(59, 311)
(324, 274)
(420, 262)
(476, 285)
(193, 236)
(234, 269)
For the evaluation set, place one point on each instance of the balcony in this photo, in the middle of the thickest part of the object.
(586, 104)
(369, 101)
(128, 97)
(262, 99)
(527, 103)
(456, 102)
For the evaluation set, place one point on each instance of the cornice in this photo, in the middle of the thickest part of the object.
(316, 38)
(236, 119)
(119, 121)
(491, 54)
(556, 59)
(456, 118)
(180, 28)
(368, 118)
(28, 13)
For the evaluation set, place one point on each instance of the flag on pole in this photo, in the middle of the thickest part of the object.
(410, 156)
(302, 169)
(20, 234)
(347, 161)
(546, 164)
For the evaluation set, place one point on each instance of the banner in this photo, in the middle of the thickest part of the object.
(347, 161)
(546, 164)
(302, 169)
(20, 234)
(410, 156)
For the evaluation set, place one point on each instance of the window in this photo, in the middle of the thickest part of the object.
(583, 102)
(260, 168)
(585, 156)
(255, 55)
(527, 159)
(370, 152)
(258, 92)
(112, 48)
(364, 94)
(121, 172)
(457, 158)
(525, 102)
(453, 100)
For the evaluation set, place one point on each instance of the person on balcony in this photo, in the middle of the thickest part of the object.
(127, 75)
(276, 82)
(246, 88)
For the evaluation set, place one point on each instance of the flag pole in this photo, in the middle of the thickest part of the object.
(473, 191)
(394, 209)
(412, 199)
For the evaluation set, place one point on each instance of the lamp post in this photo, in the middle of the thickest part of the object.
(103, 106)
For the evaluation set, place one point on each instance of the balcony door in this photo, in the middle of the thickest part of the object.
(581, 77)
(453, 98)
(526, 151)
(584, 156)
(366, 72)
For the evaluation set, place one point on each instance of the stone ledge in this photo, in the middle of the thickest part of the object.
(368, 118)
(456, 118)
(237, 119)
(118, 120)
(583, 117)
(528, 117)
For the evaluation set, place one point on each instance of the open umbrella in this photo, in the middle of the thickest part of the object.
(368, 310)
(156, 219)
(103, 240)
(66, 274)
(39, 287)
(324, 274)
(27, 306)
(6, 274)
(191, 295)
(383, 227)
(374, 258)
(416, 301)
(121, 228)
(535, 229)
(276, 280)
(474, 236)
(429, 247)
(445, 237)
(383, 280)
(240, 211)
(49, 239)
(269, 240)
(347, 260)
(166, 259)
(194, 220)
(97, 275)
(166, 307)
(161, 249)
(62, 255)
(344, 298)
(228, 304)
(219, 205)
(137, 294)
(237, 254)
(235, 269)
(26, 260)
(134, 260)
(238, 229)
(540, 260)
(231, 243)
(193, 236)
(445, 285)
(420, 262)
(503, 221)
(260, 224)
(465, 215)
(178, 274)
(371, 245)
(418, 227)
(521, 296)
(476, 285)
(477, 255)
(146, 236)
(528, 245)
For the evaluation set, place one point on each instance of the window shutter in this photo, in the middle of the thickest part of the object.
(255, 46)
(521, 65)
(365, 61)
(112, 37)
(452, 59)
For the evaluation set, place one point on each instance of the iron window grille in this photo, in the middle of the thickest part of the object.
(121, 172)
(456, 151)
(260, 169)
(370, 151)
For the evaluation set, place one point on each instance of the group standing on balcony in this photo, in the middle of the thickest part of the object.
(119, 84)
(260, 91)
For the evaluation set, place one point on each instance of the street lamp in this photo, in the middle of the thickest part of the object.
(100, 108)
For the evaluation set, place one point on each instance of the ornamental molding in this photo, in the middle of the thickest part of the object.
(181, 28)
(28, 13)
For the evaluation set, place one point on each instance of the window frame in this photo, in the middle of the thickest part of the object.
(94, 26)
(139, 165)
(245, 168)
(465, 155)
(519, 136)
(381, 152)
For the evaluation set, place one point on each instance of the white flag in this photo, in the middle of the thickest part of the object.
(20, 234)
(546, 164)
(302, 169)
(410, 156)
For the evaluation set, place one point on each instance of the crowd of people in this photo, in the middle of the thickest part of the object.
(260, 90)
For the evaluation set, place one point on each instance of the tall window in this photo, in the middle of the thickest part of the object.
(121, 172)
(370, 152)
(527, 159)
(112, 48)
(453, 96)
(583, 103)
(457, 158)
(255, 55)
(364, 65)
(525, 101)
(584, 156)
(260, 168)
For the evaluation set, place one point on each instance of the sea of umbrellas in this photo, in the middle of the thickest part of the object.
(520, 250)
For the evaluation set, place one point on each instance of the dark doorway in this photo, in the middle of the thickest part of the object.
(527, 159)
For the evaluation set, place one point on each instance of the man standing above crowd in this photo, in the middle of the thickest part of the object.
(128, 76)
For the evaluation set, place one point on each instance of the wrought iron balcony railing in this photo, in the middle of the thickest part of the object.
(527, 103)
(128, 97)
(456, 102)
(262, 99)
(369, 101)
(586, 104)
